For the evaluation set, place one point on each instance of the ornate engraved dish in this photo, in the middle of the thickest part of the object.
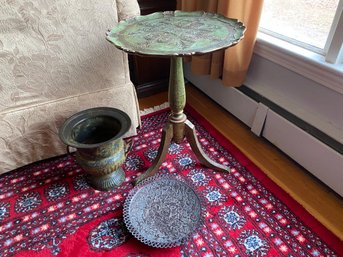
(176, 33)
(163, 211)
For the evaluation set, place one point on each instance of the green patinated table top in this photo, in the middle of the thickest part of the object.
(176, 33)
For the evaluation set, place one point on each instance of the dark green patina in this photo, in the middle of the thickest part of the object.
(100, 150)
(176, 33)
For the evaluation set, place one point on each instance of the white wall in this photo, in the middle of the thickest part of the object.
(308, 100)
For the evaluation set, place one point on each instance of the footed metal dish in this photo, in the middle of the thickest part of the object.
(163, 211)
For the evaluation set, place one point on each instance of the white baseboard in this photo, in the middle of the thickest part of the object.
(316, 157)
(243, 107)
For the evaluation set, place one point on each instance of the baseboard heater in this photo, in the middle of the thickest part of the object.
(317, 152)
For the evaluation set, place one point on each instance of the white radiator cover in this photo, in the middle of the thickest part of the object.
(316, 157)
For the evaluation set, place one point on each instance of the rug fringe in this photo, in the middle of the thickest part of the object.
(154, 109)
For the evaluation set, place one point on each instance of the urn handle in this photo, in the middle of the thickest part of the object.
(128, 145)
(70, 149)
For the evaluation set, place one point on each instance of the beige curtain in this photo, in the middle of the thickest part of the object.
(231, 64)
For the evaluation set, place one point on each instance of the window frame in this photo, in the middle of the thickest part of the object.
(333, 47)
(321, 65)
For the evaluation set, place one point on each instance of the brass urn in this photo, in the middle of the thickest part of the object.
(100, 150)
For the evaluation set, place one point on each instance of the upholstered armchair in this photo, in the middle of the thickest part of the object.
(54, 62)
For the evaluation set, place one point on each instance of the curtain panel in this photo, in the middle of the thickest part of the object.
(231, 65)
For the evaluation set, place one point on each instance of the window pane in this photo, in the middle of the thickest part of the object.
(307, 21)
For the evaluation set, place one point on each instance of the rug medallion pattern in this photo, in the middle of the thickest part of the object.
(45, 204)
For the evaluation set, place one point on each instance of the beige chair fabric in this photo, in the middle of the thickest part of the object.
(54, 62)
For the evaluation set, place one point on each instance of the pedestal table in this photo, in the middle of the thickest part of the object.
(175, 35)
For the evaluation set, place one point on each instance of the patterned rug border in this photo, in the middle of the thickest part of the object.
(326, 235)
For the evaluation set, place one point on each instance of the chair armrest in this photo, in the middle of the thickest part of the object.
(127, 9)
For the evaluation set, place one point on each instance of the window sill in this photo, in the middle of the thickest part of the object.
(308, 64)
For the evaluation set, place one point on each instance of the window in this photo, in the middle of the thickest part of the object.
(305, 36)
(315, 25)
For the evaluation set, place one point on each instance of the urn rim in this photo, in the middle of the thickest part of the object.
(66, 130)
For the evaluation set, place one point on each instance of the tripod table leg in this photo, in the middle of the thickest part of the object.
(196, 147)
(167, 135)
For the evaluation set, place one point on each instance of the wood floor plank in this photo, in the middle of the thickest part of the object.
(316, 198)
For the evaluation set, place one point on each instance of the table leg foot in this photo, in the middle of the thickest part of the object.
(200, 154)
(167, 135)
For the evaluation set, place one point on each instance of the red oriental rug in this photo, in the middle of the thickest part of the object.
(47, 208)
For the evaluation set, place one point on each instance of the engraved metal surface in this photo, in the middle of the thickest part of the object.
(176, 33)
(163, 211)
(96, 134)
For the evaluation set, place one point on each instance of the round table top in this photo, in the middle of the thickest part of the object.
(176, 33)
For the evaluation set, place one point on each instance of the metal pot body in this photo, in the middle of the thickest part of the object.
(103, 164)
(100, 150)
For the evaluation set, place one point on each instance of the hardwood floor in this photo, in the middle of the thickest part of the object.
(316, 198)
